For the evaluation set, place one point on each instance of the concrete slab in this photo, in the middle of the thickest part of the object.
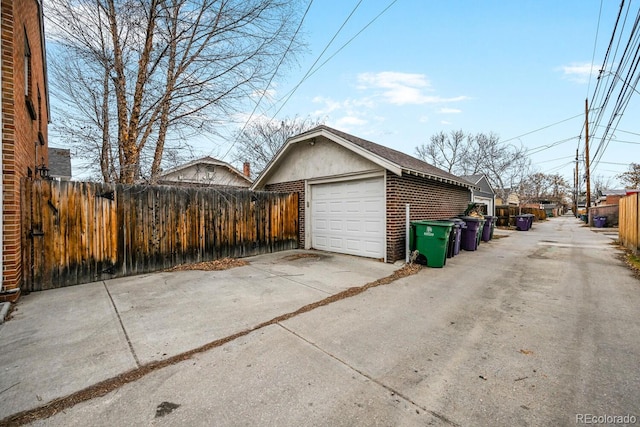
(61, 341)
(330, 273)
(270, 377)
(166, 314)
(57, 342)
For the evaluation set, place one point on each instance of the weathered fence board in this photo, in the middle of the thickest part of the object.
(629, 222)
(507, 214)
(79, 232)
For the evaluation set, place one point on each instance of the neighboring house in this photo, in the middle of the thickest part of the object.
(610, 197)
(512, 199)
(60, 164)
(353, 193)
(25, 116)
(208, 172)
(485, 194)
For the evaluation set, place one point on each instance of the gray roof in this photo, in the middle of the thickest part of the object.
(401, 159)
(474, 179)
(59, 162)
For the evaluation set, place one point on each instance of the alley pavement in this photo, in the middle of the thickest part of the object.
(536, 328)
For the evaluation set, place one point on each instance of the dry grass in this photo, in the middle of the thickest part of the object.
(216, 265)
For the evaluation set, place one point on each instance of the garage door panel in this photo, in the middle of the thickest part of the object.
(353, 226)
(348, 217)
(336, 226)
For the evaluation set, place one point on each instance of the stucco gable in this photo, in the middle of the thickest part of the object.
(321, 159)
(383, 157)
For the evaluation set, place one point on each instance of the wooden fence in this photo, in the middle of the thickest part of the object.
(507, 214)
(629, 222)
(79, 232)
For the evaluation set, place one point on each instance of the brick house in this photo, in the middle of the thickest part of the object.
(25, 116)
(353, 192)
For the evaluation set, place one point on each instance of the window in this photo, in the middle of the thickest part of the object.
(28, 78)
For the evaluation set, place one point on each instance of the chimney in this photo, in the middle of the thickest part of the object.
(246, 169)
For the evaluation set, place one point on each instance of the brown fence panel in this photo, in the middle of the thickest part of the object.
(77, 232)
(629, 222)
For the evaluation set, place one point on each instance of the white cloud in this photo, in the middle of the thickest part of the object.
(424, 119)
(402, 88)
(348, 121)
(444, 122)
(446, 110)
(579, 72)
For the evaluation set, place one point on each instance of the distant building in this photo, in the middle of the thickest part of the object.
(60, 163)
(485, 194)
(207, 172)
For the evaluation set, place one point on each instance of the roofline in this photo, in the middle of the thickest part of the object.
(467, 184)
(209, 161)
(380, 161)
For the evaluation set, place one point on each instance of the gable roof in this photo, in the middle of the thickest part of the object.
(207, 160)
(476, 180)
(388, 158)
(59, 162)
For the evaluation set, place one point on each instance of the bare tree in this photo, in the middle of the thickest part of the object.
(446, 151)
(539, 187)
(138, 73)
(631, 178)
(504, 165)
(259, 142)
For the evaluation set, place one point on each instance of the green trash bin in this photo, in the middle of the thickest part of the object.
(480, 229)
(431, 240)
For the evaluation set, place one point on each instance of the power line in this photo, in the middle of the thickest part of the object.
(544, 127)
(295, 34)
(310, 72)
(595, 43)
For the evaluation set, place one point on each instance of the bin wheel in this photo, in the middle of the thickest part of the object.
(421, 259)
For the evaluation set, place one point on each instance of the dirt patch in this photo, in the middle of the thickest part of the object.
(215, 265)
(107, 386)
(499, 236)
(295, 257)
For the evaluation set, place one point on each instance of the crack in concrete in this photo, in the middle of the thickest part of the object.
(370, 378)
(126, 335)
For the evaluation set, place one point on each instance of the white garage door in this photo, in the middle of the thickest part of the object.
(348, 217)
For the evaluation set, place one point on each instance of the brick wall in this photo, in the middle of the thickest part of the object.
(294, 187)
(20, 132)
(428, 199)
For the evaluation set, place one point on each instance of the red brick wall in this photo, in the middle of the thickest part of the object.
(428, 200)
(19, 130)
(294, 187)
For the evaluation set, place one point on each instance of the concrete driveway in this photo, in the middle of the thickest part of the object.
(64, 340)
(539, 328)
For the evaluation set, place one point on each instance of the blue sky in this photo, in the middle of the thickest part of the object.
(508, 67)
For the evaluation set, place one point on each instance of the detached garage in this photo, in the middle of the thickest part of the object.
(353, 192)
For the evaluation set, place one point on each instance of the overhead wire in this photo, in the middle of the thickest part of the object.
(275, 72)
(614, 89)
(311, 72)
(543, 128)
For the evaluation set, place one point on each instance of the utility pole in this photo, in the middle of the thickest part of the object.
(586, 155)
(576, 188)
